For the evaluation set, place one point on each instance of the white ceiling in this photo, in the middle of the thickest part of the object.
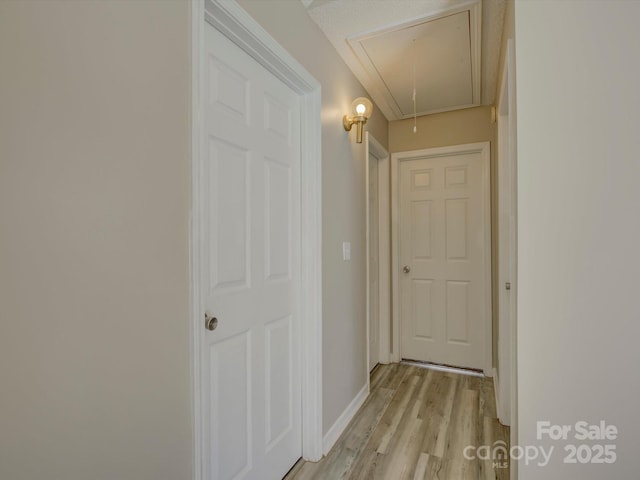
(452, 45)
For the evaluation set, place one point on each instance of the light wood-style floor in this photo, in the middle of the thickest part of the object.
(415, 426)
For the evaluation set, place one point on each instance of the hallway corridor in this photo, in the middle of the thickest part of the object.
(415, 426)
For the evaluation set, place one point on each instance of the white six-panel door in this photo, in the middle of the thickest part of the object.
(251, 361)
(442, 260)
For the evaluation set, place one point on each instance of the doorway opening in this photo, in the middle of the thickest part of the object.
(378, 253)
(441, 266)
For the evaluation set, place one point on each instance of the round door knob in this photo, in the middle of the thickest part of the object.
(406, 269)
(211, 323)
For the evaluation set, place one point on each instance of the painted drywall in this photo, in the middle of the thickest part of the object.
(94, 205)
(455, 128)
(343, 179)
(578, 229)
(442, 129)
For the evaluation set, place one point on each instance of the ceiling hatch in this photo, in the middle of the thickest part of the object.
(441, 54)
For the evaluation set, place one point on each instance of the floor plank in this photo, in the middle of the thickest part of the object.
(415, 426)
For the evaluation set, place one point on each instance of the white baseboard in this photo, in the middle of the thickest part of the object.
(343, 420)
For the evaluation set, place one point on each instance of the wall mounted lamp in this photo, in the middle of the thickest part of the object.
(361, 109)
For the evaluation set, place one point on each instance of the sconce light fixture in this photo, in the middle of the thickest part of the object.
(361, 109)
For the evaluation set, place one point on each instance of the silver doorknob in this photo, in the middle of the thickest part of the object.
(210, 323)
(406, 269)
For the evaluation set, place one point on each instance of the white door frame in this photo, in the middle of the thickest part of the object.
(483, 149)
(236, 24)
(507, 394)
(372, 146)
(507, 242)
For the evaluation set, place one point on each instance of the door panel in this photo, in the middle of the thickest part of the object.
(231, 413)
(456, 231)
(421, 232)
(251, 361)
(229, 206)
(277, 214)
(442, 229)
(422, 309)
(457, 320)
(279, 380)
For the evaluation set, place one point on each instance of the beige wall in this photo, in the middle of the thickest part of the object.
(578, 72)
(442, 129)
(343, 175)
(94, 204)
(455, 128)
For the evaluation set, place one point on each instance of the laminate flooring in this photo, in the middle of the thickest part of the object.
(415, 425)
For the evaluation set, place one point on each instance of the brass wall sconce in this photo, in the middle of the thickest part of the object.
(361, 109)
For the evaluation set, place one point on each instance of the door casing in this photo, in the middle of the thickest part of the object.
(507, 239)
(483, 148)
(237, 25)
(506, 378)
(375, 148)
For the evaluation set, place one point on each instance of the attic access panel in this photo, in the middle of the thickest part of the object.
(445, 52)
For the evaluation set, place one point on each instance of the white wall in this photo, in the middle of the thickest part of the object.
(343, 190)
(94, 208)
(578, 72)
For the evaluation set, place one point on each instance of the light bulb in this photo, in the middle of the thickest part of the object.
(361, 108)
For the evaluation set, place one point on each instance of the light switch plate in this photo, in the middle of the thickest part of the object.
(346, 250)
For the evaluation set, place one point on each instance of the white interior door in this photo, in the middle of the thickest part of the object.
(251, 382)
(443, 259)
(374, 270)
